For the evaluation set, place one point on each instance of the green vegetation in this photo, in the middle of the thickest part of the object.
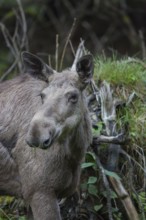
(127, 78)
(129, 73)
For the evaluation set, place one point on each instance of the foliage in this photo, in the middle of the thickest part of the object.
(128, 80)
(92, 187)
(11, 208)
(127, 76)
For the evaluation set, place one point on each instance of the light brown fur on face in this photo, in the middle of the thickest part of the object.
(61, 119)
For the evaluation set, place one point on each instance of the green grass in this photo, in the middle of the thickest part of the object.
(129, 73)
(127, 76)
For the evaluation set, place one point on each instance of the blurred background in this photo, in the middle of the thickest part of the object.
(117, 26)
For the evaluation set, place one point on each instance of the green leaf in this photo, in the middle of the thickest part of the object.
(115, 209)
(112, 194)
(92, 189)
(112, 174)
(97, 131)
(98, 207)
(86, 165)
(92, 180)
(90, 157)
(133, 134)
(142, 195)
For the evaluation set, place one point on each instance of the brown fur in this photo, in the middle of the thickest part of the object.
(42, 176)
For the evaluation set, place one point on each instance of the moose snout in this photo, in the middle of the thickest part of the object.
(41, 135)
(43, 142)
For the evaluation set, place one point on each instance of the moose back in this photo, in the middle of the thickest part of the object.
(48, 111)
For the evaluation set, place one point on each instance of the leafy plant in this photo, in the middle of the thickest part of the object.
(91, 186)
(127, 78)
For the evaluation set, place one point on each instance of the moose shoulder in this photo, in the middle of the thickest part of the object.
(48, 111)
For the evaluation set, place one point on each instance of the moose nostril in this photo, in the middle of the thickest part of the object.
(46, 143)
(32, 143)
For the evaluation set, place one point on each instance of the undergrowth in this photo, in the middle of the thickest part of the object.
(127, 78)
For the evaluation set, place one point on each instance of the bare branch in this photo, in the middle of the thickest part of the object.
(125, 198)
(72, 49)
(10, 69)
(8, 39)
(108, 110)
(24, 41)
(79, 54)
(142, 42)
(66, 43)
(118, 139)
(107, 186)
(17, 42)
(56, 52)
(49, 60)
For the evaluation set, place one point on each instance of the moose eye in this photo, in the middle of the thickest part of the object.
(73, 97)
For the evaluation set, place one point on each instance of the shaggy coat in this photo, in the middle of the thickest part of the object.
(48, 111)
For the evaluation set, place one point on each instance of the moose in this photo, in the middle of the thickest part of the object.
(45, 130)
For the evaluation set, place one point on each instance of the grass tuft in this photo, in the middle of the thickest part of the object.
(127, 76)
(124, 72)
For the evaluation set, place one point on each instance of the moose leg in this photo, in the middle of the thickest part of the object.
(45, 207)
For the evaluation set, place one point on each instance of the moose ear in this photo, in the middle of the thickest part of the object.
(84, 68)
(35, 66)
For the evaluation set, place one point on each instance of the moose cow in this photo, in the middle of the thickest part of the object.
(46, 110)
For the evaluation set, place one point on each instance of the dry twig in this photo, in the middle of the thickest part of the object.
(66, 43)
(17, 42)
(56, 52)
